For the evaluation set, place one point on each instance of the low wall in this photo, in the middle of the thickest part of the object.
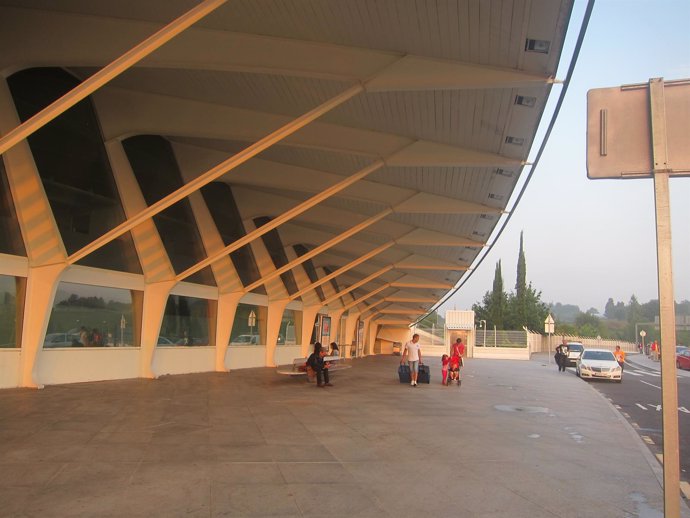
(286, 354)
(9, 368)
(502, 353)
(56, 366)
(245, 356)
(183, 360)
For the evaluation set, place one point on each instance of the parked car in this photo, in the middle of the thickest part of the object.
(680, 348)
(683, 359)
(598, 364)
(574, 352)
(165, 342)
(245, 340)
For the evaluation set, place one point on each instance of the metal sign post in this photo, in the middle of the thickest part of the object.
(621, 125)
(667, 314)
(549, 328)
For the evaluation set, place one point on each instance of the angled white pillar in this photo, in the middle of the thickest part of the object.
(155, 299)
(227, 307)
(336, 315)
(42, 240)
(230, 289)
(350, 325)
(276, 308)
(159, 275)
(308, 317)
(311, 304)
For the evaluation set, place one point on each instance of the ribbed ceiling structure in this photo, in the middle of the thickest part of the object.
(448, 97)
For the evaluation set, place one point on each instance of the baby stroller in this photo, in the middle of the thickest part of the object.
(454, 366)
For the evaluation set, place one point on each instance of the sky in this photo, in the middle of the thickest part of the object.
(588, 240)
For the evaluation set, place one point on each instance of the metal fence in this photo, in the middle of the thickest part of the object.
(500, 338)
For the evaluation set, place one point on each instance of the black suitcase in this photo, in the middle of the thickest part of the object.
(404, 373)
(424, 376)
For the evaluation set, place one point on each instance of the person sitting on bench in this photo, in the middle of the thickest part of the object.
(315, 361)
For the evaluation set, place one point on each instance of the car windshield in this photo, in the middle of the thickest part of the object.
(598, 355)
(575, 347)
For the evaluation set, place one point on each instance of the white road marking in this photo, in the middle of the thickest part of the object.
(660, 457)
(632, 373)
(658, 407)
(648, 373)
(683, 409)
(643, 381)
(617, 406)
(647, 439)
(641, 406)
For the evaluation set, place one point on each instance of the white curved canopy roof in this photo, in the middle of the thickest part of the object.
(452, 94)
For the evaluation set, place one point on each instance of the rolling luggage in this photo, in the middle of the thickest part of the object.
(424, 376)
(404, 373)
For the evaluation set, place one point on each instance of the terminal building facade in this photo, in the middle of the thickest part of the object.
(275, 174)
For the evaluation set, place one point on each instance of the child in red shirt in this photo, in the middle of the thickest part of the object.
(444, 368)
(454, 367)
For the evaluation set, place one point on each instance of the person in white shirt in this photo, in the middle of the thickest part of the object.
(414, 355)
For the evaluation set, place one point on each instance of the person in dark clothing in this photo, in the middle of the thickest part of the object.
(315, 361)
(561, 356)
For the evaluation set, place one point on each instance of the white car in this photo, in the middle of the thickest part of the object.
(598, 364)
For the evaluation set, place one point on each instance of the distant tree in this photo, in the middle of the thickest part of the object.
(493, 305)
(610, 309)
(564, 312)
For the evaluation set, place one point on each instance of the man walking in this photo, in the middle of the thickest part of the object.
(620, 357)
(412, 351)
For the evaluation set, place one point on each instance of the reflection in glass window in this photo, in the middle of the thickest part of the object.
(185, 322)
(90, 316)
(288, 331)
(249, 325)
(8, 312)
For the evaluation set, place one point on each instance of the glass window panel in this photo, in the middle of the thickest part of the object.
(11, 241)
(74, 168)
(288, 334)
(249, 325)
(90, 316)
(8, 312)
(226, 215)
(185, 322)
(310, 269)
(274, 245)
(158, 175)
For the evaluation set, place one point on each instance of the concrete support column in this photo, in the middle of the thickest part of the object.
(370, 332)
(308, 316)
(350, 326)
(155, 298)
(44, 247)
(276, 308)
(336, 315)
(41, 286)
(227, 307)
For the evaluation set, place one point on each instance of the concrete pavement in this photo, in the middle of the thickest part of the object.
(518, 439)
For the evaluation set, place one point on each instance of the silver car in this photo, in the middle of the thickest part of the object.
(574, 351)
(599, 364)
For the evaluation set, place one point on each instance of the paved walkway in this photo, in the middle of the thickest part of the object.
(518, 439)
(644, 361)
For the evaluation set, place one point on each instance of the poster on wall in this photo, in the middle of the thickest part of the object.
(325, 330)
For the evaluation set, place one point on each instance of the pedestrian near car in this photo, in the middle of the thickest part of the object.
(413, 353)
(561, 356)
(620, 356)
